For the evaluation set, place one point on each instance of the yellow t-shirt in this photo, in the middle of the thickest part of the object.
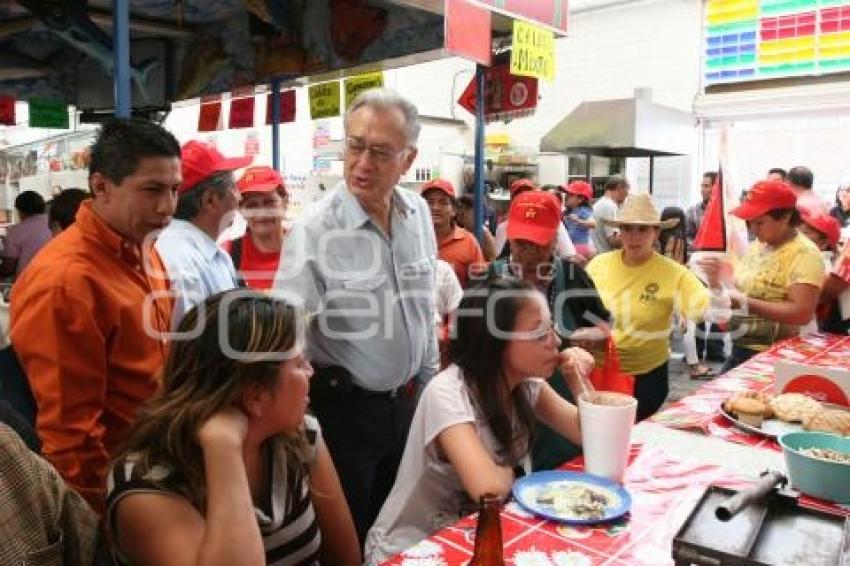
(642, 300)
(766, 273)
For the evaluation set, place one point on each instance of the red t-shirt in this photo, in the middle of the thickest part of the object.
(257, 268)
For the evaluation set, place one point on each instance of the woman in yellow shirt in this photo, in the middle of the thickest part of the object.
(776, 283)
(643, 289)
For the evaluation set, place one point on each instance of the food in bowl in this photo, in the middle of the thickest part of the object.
(827, 454)
(749, 407)
(576, 500)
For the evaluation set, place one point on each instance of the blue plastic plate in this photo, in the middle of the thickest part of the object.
(526, 489)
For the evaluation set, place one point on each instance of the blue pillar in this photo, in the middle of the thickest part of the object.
(276, 125)
(479, 196)
(121, 53)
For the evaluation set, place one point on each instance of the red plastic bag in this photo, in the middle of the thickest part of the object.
(609, 377)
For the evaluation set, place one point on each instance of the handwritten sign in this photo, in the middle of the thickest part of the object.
(324, 100)
(48, 114)
(242, 112)
(7, 110)
(209, 118)
(355, 85)
(533, 53)
(287, 107)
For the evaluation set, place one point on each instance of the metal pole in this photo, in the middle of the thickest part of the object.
(478, 201)
(121, 54)
(276, 124)
(651, 171)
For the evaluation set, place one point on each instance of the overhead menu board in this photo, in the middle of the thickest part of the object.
(748, 40)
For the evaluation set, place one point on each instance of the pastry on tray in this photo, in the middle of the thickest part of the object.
(795, 407)
(749, 407)
(836, 421)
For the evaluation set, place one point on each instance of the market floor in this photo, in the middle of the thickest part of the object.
(681, 383)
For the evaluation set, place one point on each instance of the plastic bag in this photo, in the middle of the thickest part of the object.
(610, 377)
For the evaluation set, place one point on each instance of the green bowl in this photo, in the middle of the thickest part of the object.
(813, 476)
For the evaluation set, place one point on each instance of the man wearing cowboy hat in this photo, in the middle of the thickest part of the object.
(642, 289)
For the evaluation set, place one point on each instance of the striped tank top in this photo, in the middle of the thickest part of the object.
(290, 532)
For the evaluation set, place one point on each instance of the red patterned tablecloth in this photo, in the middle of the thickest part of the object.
(663, 490)
(700, 411)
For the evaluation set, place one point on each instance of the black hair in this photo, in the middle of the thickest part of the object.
(493, 304)
(778, 171)
(801, 176)
(679, 231)
(710, 175)
(615, 183)
(189, 203)
(29, 203)
(122, 143)
(466, 201)
(794, 218)
(63, 208)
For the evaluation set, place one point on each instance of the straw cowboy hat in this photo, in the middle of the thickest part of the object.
(639, 210)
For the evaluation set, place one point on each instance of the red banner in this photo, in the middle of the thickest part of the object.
(287, 107)
(7, 110)
(241, 113)
(468, 31)
(506, 95)
(209, 119)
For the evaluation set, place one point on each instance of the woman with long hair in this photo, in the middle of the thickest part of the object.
(473, 426)
(776, 284)
(223, 467)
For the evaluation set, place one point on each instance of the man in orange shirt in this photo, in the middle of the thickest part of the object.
(455, 245)
(90, 313)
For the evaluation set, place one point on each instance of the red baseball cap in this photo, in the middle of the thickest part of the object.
(825, 224)
(765, 196)
(534, 216)
(580, 188)
(439, 185)
(200, 160)
(260, 179)
(521, 184)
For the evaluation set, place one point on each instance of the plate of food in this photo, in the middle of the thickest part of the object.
(572, 497)
(772, 416)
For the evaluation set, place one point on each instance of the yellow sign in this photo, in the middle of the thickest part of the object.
(356, 85)
(533, 52)
(324, 100)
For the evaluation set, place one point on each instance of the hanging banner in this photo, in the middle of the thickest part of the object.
(505, 96)
(209, 118)
(241, 113)
(287, 107)
(533, 53)
(324, 100)
(48, 114)
(553, 14)
(468, 32)
(360, 83)
(7, 110)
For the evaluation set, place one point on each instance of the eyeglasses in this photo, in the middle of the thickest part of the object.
(381, 154)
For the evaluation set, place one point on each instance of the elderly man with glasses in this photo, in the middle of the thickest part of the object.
(363, 260)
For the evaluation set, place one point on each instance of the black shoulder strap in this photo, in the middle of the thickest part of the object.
(236, 253)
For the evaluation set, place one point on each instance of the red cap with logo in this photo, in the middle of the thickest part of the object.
(825, 224)
(260, 179)
(580, 188)
(534, 216)
(200, 160)
(522, 184)
(765, 196)
(439, 185)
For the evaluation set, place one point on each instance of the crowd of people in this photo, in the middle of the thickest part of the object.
(338, 390)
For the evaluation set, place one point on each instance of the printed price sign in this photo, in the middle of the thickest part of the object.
(533, 53)
(324, 100)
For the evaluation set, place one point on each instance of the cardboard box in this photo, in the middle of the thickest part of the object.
(828, 384)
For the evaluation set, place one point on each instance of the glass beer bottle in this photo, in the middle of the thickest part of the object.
(488, 533)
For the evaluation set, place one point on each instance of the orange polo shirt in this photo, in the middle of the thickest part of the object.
(461, 250)
(78, 317)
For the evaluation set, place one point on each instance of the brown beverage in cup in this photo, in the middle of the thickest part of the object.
(606, 424)
(610, 398)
